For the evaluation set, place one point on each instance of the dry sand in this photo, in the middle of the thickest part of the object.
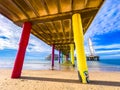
(58, 80)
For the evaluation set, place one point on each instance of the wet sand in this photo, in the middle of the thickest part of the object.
(58, 80)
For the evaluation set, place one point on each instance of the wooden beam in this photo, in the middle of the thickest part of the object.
(30, 5)
(45, 6)
(58, 6)
(7, 9)
(43, 30)
(63, 28)
(21, 9)
(39, 36)
(88, 24)
(60, 16)
(59, 43)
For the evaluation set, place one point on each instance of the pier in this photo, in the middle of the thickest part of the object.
(92, 56)
(59, 23)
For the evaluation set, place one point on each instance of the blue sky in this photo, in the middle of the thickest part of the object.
(104, 32)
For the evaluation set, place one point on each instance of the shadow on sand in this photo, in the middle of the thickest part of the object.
(92, 82)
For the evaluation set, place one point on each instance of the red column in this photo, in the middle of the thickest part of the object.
(21, 50)
(52, 57)
(66, 57)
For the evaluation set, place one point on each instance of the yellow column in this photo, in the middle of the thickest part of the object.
(72, 54)
(79, 43)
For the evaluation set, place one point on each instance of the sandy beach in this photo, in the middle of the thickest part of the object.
(58, 80)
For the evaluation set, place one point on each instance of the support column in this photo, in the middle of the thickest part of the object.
(62, 57)
(59, 57)
(21, 50)
(72, 54)
(66, 57)
(52, 57)
(79, 43)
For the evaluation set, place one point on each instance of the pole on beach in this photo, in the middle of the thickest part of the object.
(79, 44)
(66, 57)
(72, 54)
(52, 57)
(21, 50)
(62, 57)
(59, 56)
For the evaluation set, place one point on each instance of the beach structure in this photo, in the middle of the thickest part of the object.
(92, 56)
(59, 23)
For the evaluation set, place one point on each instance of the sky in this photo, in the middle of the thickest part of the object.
(104, 33)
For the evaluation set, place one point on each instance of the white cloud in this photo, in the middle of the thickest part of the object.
(38, 46)
(10, 35)
(113, 50)
(105, 49)
(107, 19)
(108, 51)
(8, 44)
(114, 56)
(113, 46)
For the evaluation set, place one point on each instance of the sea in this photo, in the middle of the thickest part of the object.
(110, 65)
